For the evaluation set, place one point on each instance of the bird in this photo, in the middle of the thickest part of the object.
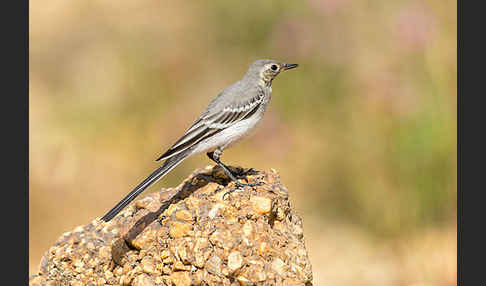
(229, 117)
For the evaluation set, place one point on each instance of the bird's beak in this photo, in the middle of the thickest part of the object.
(289, 66)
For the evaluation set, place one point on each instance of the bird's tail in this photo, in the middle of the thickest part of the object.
(168, 165)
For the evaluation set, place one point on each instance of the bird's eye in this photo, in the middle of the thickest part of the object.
(274, 67)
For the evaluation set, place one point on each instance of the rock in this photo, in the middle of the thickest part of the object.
(148, 265)
(262, 205)
(213, 265)
(188, 235)
(235, 261)
(143, 280)
(181, 278)
(179, 229)
(278, 265)
(184, 215)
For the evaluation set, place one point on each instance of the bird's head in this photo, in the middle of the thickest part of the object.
(267, 70)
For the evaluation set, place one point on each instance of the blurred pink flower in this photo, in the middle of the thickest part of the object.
(294, 38)
(415, 27)
(327, 7)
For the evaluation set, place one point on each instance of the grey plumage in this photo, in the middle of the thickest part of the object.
(228, 117)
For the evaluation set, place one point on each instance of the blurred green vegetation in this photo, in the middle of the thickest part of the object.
(363, 132)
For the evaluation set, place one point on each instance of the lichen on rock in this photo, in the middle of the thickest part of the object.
(189, 235)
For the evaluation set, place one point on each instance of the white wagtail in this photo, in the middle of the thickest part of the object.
(228, 118)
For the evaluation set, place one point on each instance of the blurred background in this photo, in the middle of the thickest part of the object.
(363, 133)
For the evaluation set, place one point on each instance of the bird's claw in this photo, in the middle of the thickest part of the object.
(240, 185)
(227, 193)
(243, 175)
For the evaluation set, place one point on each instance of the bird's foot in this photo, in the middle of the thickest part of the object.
(241, 186)
(244, 175)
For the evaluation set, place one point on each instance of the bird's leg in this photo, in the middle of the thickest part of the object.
(250, 171)
(215, 157)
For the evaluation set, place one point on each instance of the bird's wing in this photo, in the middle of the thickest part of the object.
(212, 122)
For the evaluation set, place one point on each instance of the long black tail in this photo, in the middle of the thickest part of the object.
(168, 165)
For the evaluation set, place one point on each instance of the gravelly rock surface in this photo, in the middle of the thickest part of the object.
(189, 235)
